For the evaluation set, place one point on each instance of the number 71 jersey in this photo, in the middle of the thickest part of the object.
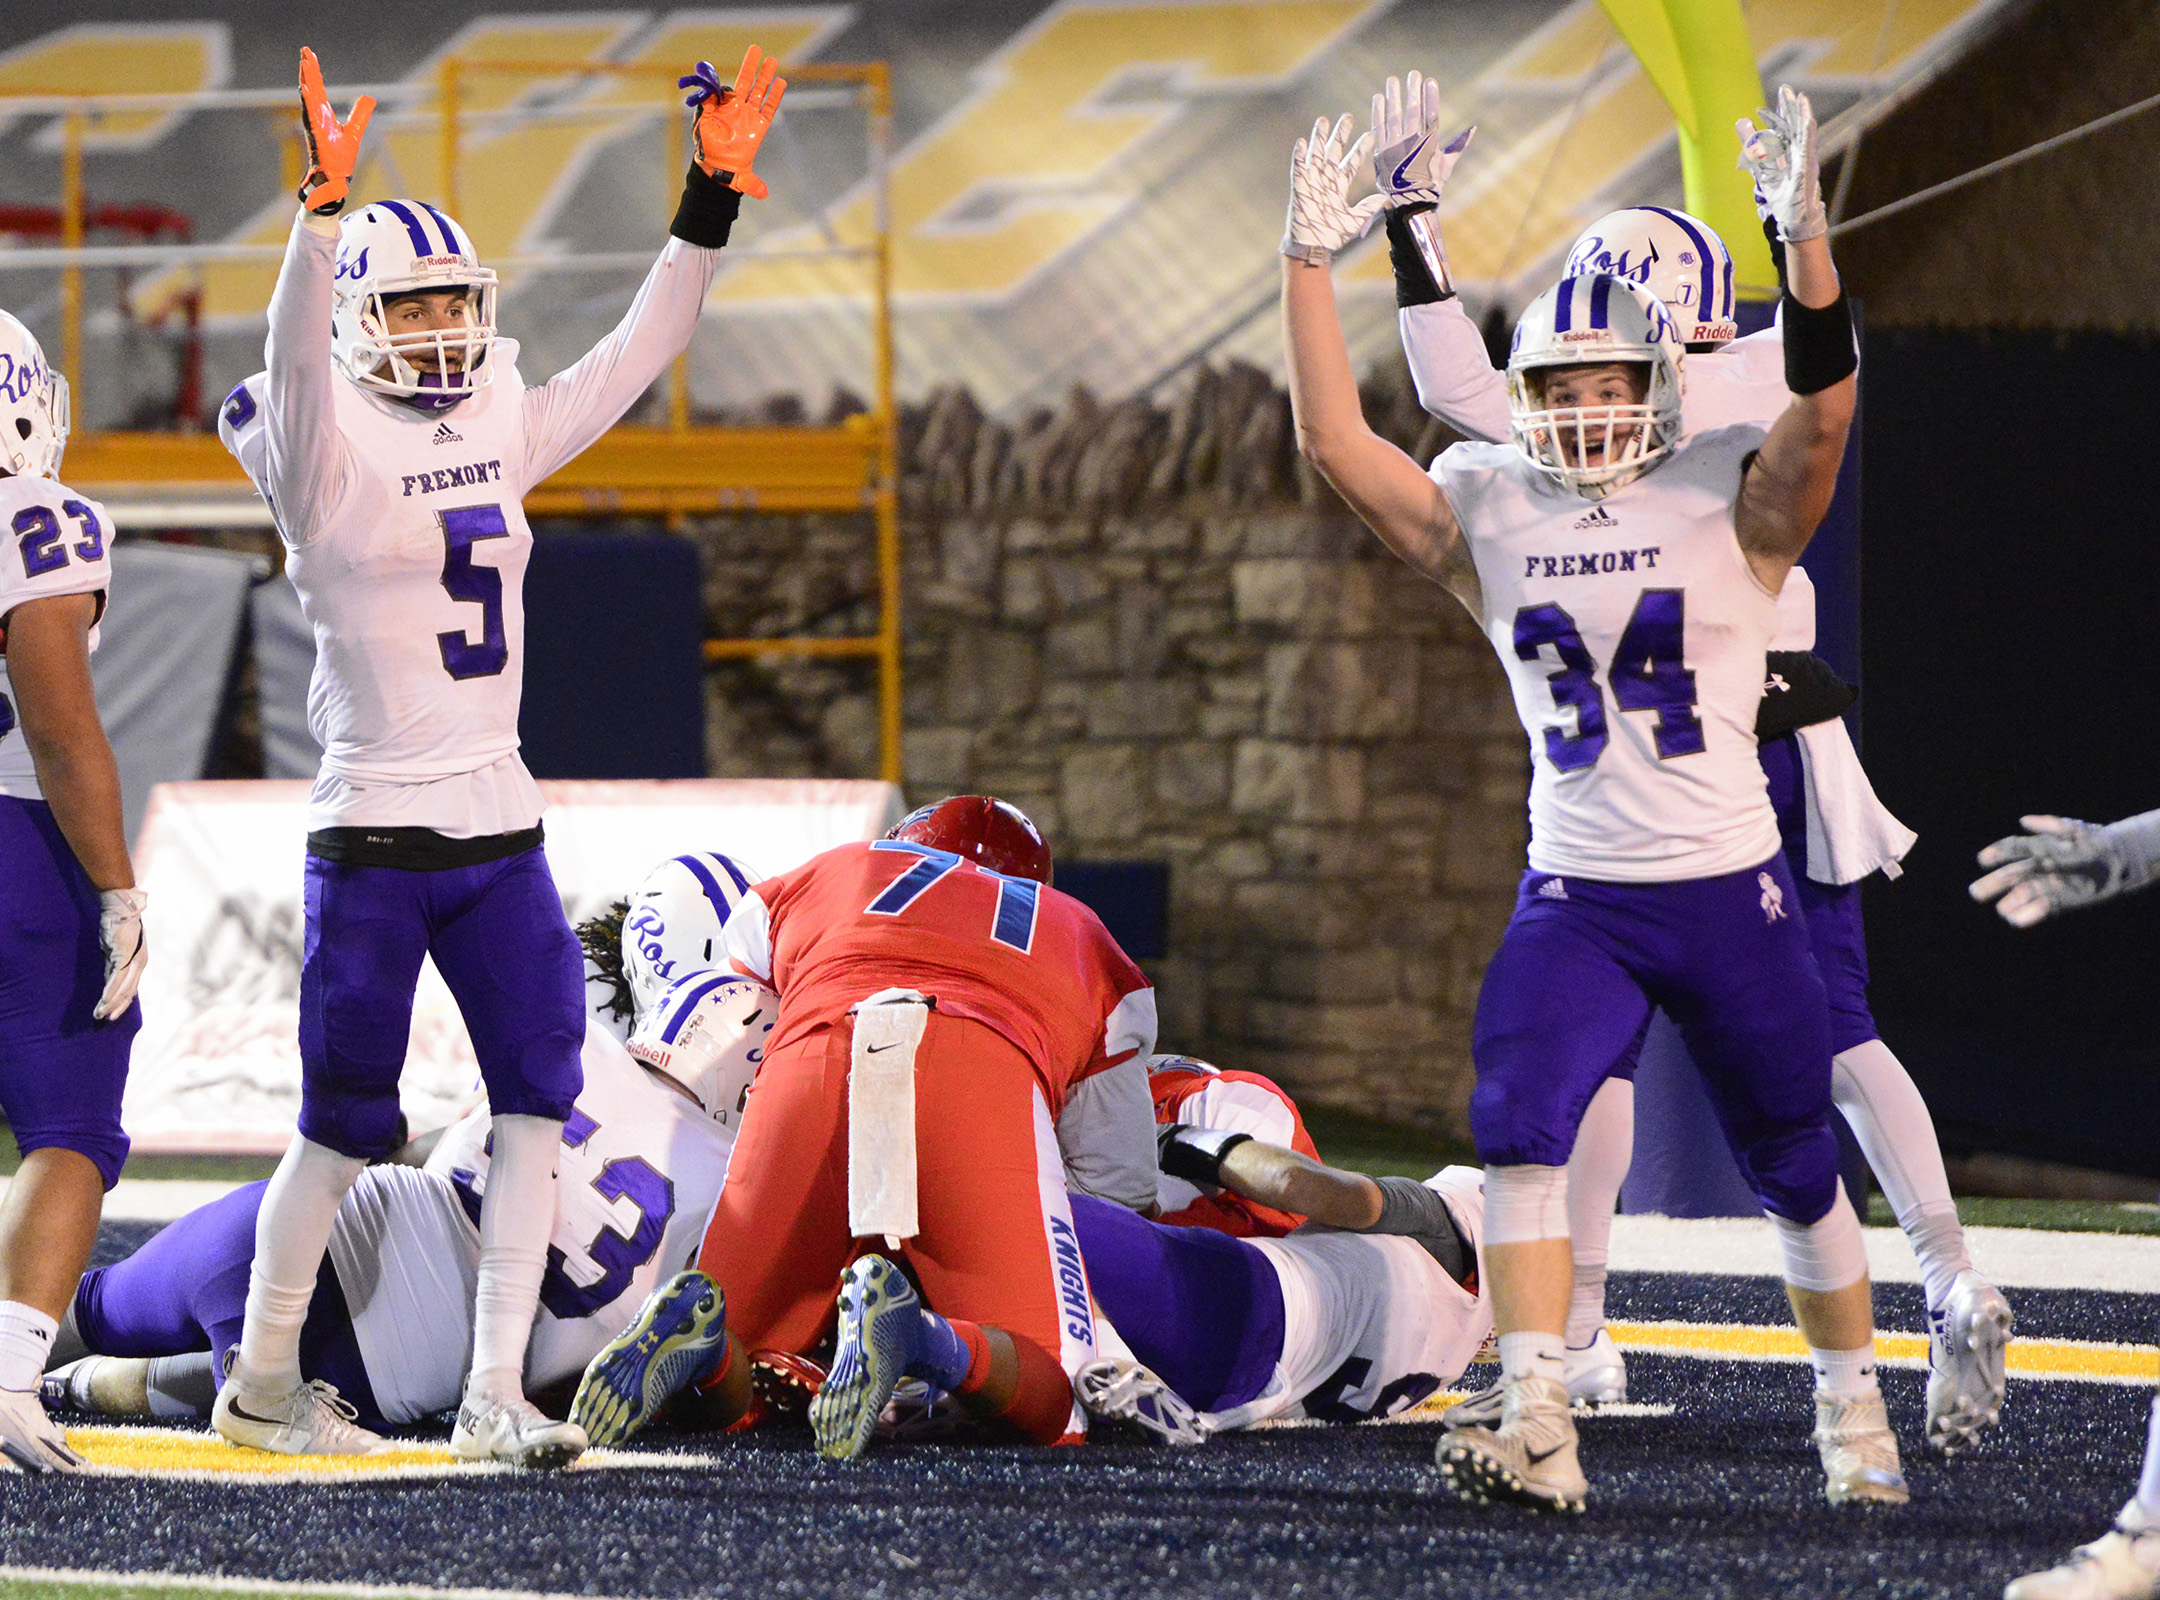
(1633, 634)
(52, 542)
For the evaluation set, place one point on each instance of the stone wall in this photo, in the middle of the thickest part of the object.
(1159, 634)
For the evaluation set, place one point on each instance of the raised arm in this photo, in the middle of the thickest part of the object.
(1382, 484)
(1788, 486)
(575, 407)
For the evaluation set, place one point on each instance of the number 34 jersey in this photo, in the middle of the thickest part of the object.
(1633, 634)
(52, 542)
(636, 1178)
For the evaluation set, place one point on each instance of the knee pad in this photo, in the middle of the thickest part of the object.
(1826, 1254)
(1525, 1204)
(108, 1152)
(363, 1123)
(1794, 1171)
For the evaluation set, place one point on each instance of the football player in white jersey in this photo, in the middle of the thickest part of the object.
(394, 440)
(390, 1326)
(71, 944)
(1628, 579)
(1836, 832)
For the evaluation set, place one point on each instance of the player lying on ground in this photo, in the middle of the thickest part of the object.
(71, 944)
(1833, 829)
(1190, 1093)
(389, 1328)
(935, 967)
(1338, 1321)
(1627, 578)
(394, 440)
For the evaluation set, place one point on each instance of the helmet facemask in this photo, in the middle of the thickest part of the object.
(428, 366)
(1595, 321)
(1588, 446)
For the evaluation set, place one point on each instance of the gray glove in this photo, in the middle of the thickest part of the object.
(2059, 863)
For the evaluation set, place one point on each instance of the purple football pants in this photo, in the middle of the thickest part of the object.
(1567, 996)
(499, 939)
(1202, 1311)
(61, 1072)
(186, 1289)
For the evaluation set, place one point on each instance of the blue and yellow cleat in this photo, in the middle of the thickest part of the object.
(678, 1339)
(880, 1330)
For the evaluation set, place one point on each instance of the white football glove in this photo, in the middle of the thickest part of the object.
(120, 931)
(1322, 168)
(1410, 164)
(2059, 863)
(1780, 157)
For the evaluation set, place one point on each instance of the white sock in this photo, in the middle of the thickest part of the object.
(1533, 1355)
(1889, 1118)
(26, 1341)
(1850, 1373)
(292, 1229)
(2146, 1501)
(1604, 1145)
(516, 1216)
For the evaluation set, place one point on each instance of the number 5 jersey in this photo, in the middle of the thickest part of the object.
(1633, 633)
(52, 542)
(408, 543)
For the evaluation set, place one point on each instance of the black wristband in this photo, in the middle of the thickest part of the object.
(1818, 344)
(1799, 690)
(1777, 251)
(708, 209)
(1195, 1154)
(1414, 284)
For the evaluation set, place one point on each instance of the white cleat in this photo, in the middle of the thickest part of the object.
(1859, 1452)
(2122, 1564)
(30, 1441)
(1125, 1391)
(1968, 1339)
(1596, 1376)
(513, 1429)
(311, 1420)
(1528, 1460)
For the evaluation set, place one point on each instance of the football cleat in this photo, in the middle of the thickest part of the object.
(1528, 1460)
(511, 1428)
(311, 1420)
(1859, 1452)
(1968, 1338)
(30, 1441)
(678, 1338)
(1125, 1391)
(880, 1333)
(2122, 1564)
(1596, 1376)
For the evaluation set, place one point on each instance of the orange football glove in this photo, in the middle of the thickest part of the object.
(333, 147)
(731, 123)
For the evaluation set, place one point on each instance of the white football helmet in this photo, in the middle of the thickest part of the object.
(395, 247)
(672, 929)
(1592, 321)
(1678, 258)
(33, 405)
(708, 1033)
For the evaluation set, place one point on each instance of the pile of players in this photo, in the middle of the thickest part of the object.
(902, 1106)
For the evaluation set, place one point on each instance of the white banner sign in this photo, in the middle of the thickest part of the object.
(217, 1065)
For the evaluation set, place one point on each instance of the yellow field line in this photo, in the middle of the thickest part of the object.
(2074, 1359)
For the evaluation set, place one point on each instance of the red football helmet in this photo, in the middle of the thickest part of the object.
(975, 827)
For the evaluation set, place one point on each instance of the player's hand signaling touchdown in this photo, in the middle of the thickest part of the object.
(333, 147)
(732, 122)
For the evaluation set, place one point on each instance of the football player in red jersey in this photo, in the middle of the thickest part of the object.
(934, 968)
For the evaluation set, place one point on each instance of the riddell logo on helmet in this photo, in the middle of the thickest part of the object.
(443, 261)
(1581, 335)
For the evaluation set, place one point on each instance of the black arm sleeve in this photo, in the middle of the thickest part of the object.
(708, 209)
(1414, 284)
(1819, 347)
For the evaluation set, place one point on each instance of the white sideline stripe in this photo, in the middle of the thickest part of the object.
(2010, 1258)
(177, 1580)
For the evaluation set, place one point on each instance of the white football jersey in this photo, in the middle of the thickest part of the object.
(1372, 1324)
(1633, 633)
(637, 1177)
(408, 542)
(53, 541)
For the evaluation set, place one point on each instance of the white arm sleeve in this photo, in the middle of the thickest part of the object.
(1239, 1108)
(1455, 378)
(1107, 1136)
(583, 401)
(305, 456)
(747, 937)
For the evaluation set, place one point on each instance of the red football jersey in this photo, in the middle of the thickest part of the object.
(1011, 953)
(1193, 1094)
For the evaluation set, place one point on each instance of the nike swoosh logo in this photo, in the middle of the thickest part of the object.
(1537, 1456)
(1402, 168)
(871, 1050)
(246, 1415)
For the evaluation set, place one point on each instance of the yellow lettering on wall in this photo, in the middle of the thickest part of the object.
(118, 58)
(1021, 170)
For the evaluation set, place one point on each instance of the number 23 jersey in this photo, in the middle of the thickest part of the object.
(1633, 634)
(52, 542)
